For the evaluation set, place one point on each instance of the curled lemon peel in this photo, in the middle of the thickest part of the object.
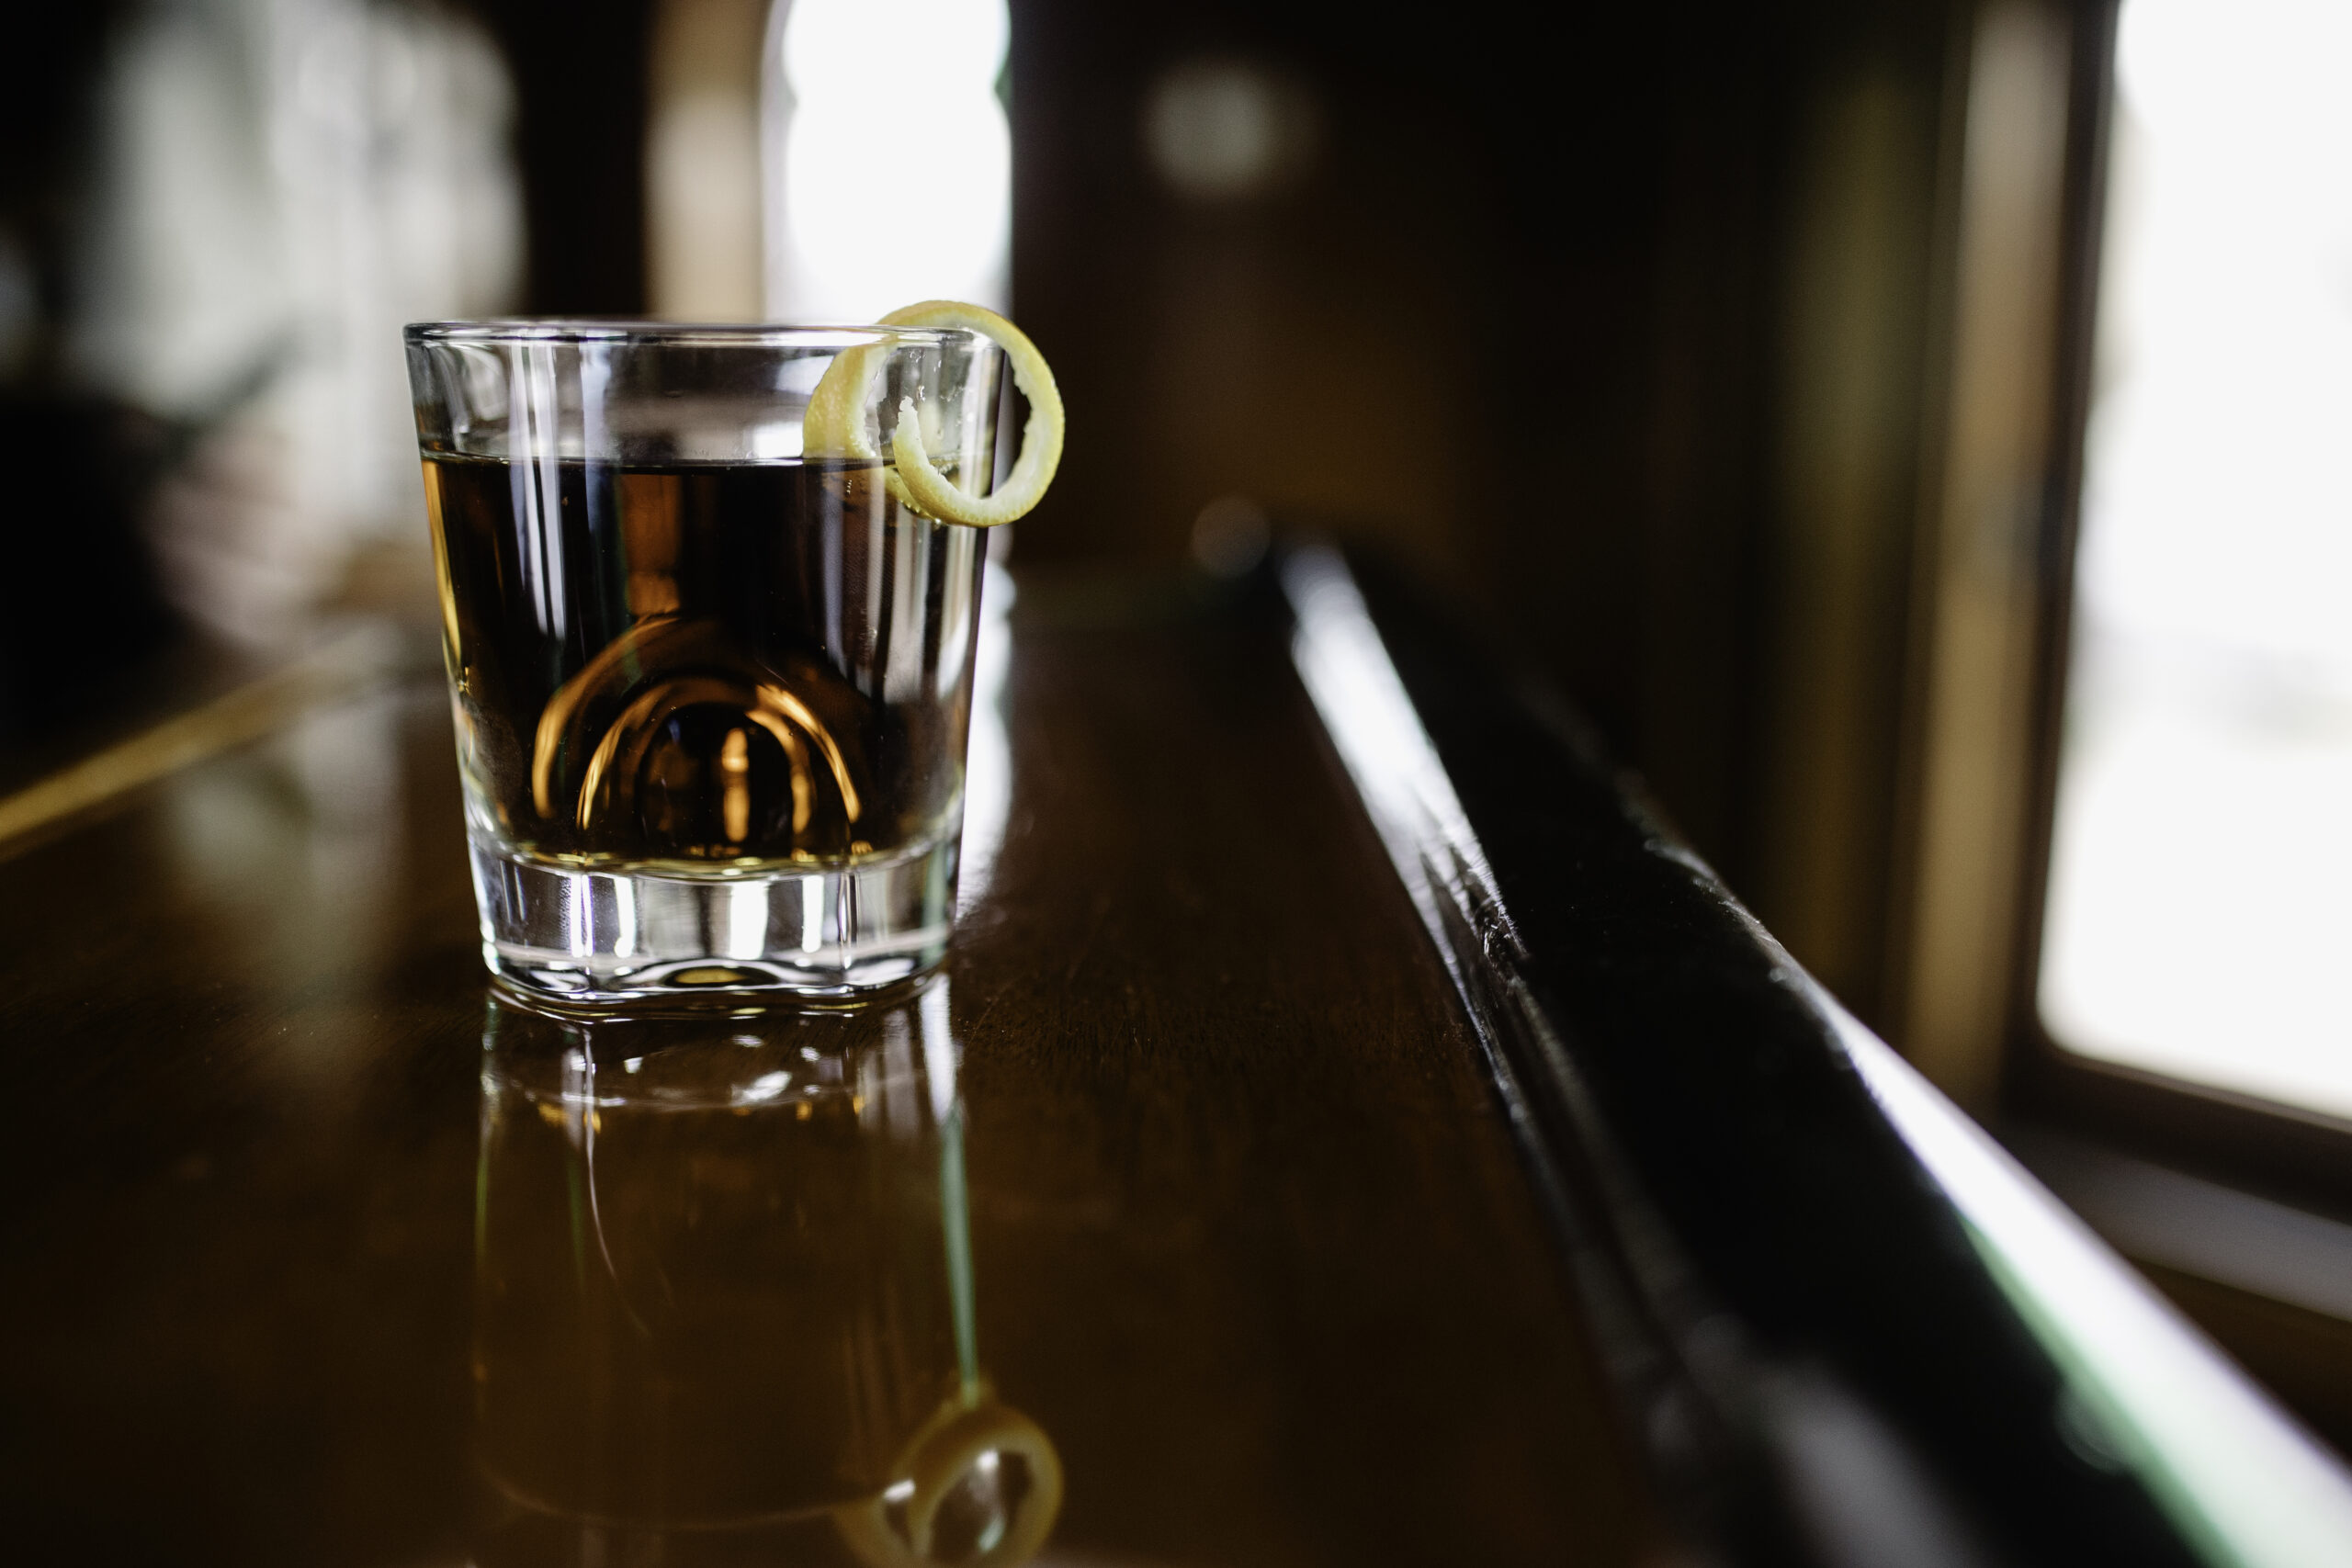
(836, 424)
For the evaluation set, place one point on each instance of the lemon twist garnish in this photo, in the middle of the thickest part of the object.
(835, 422)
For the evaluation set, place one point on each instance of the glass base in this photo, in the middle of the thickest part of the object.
(599, 937)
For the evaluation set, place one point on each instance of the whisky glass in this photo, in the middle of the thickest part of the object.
(711, 691)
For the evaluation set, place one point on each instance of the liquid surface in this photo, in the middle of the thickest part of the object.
(713, 667)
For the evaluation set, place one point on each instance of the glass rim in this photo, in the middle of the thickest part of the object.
(632, 331)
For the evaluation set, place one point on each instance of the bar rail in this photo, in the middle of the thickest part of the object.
(1846, 1328)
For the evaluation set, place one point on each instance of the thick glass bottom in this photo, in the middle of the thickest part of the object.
(600, 937)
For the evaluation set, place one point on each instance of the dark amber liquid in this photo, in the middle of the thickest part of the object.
(712, 665)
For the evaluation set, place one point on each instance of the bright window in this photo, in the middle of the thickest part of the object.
(894, 179)
(2199, 920)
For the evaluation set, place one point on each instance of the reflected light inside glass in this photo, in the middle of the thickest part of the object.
(897, 166)
(2195, 922)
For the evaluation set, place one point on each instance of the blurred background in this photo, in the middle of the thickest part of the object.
(1913, 432)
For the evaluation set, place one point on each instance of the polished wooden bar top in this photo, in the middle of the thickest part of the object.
(1249, 1239)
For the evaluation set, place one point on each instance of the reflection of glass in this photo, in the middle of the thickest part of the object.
(724, 1288)
(712, 698)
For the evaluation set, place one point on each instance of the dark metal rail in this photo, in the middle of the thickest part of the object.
(1848, 1327)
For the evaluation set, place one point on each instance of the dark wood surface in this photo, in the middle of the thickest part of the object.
(1251, 1241)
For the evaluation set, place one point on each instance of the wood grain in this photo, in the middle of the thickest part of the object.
(1251, 1243)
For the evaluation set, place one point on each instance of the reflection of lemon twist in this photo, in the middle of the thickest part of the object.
(899, 1529)
(835, 424)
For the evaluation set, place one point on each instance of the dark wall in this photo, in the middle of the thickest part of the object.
(580, 90)
(83, 602)
(1614, 325)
